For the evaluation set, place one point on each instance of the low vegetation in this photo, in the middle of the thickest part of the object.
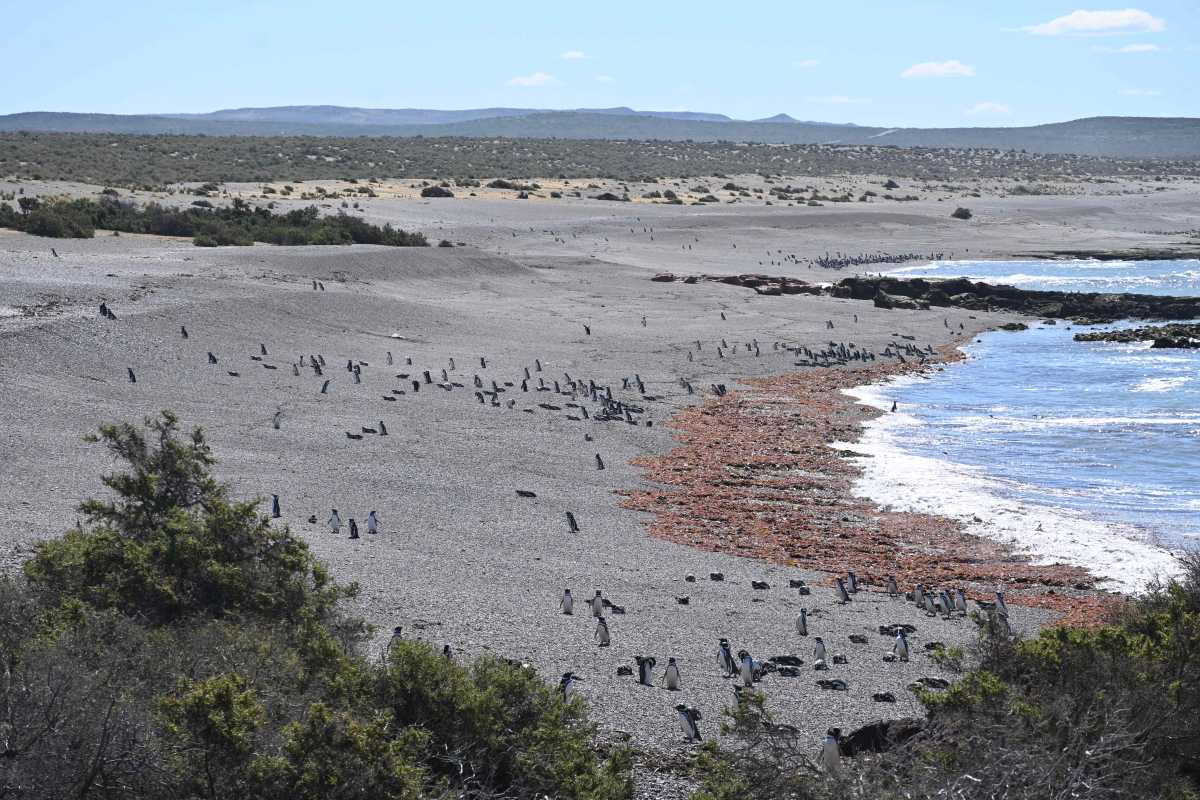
(179, 645)
(208, 225)
(153, 161)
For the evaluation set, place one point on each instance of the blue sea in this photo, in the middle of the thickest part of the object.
(1075, 452)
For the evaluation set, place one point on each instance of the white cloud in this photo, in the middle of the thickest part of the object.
(534, 79)
(1128, 20)
(1135, 48)
(605, 79)
(1142, 92)
(989, 108)
(939, 69)
(838, 100)
(807, 63)
(573, 55)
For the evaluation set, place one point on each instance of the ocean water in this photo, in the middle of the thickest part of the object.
(1075, 452)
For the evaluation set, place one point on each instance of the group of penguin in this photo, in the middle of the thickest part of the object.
(750, 670)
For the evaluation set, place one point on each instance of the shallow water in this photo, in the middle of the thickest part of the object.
(1097, 443)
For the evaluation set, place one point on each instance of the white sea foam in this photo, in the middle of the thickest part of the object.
(903, 481)
(1161, 384)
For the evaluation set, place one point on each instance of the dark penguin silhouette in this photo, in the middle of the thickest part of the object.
(599, 462)
(574, 526)
(382, 429)
(54, 252)
(275, 506)
(893, 405)
(353, 529)
(183, 331)
(587, 330)
(688, 717)
(645, 666)
(132, 377)
(262, 347)
(325, 386)
(104, 310)
(211, 358)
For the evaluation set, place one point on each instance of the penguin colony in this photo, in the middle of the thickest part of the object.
(533, 389)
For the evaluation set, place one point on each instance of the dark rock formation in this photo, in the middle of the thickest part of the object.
(436, 191)
(1163, 336)
(880, 736)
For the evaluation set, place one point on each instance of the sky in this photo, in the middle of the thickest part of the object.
(877, 62)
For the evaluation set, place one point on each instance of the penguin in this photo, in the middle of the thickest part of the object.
(645, 667)
(132, 377)
(900, 647)
(725, 657)
(818, 649)
(843, 596)
(183, 331)
(831, 755)
(571, 523)
(372, 523)
(597, 604)
(919, 595)
(211, 358)
(687, 720)
(389, 358)
(894, 405)
(960, 601)
(802, 622)
(892, 588)
(672, 681)
(567, 603)
(566, 685)
(601, 634)
(745, 668)
(599, 462)
(276, 419)
(353, 529)
(447, 652)
(104, 310)
(587, 330)
(397, 635)
(325, 386)
(382, 429)
(275, 506)
(852, 583)
(295, 370)
(262, 347)
(335, 522)
(1001, 606)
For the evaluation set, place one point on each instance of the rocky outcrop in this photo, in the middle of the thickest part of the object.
(880, 736)
(884, 300)
(762, 284)
(1163, 336)
(1081, 307)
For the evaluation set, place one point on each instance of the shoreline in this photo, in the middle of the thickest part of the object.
(758, 473)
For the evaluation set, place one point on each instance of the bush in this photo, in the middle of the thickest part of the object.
(436, 191)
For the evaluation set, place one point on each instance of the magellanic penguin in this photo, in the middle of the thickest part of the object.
(335, 522)
(353, 529)
(802, 622)
(567, 604)
(893, 588)
(831, 754)
(275, 420)
(671, 678)
(275, 506)
(900, 647)
(745, 668)
(372, 523)
(842, 595)
(597, 605)
(397, 635)
(601, 635)
(645, 666)
(818, 649)
(1001, 606)
(566, 686)
(688, 717)
(725, 658)
(960, 601)
(852, 583)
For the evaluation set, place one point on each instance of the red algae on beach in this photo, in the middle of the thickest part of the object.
(754, 475)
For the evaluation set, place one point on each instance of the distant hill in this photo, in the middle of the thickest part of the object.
(1124, 137)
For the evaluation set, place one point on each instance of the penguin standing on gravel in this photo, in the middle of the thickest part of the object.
(275, 506)
(672, 681)
(802, 622)
(353, 529)
(372, 523)
(601, 634)
(842, 595)
(567, 604)
(818, 650)
(900, 647)
(597, 605)
(645, 665)
(893, 588)
(746, 668)
(335, 522)
(725, 658)
(688, 717)
(566, 686)
(831, 754)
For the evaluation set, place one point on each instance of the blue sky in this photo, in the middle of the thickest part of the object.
(893, 62)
